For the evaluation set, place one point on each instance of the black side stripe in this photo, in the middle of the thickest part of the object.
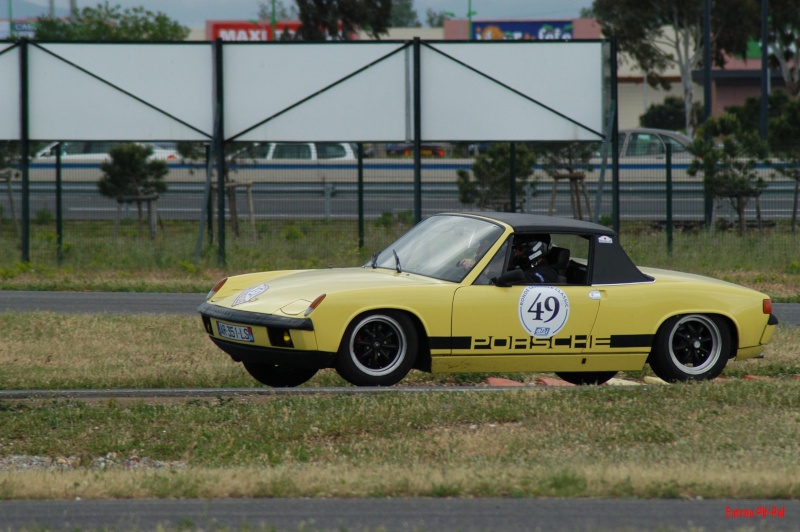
(447, 342)
(631, 340)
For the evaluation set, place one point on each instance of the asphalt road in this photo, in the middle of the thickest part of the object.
(160, 303)
(431, 515)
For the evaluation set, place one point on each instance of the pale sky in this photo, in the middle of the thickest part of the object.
(194, 13)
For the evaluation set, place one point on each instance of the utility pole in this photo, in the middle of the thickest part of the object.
(470, 12)
(764, 69)
(273, 21)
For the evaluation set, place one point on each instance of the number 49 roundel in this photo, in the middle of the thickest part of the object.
(543, 310)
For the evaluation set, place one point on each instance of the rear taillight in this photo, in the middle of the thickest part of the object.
(767, 306)
(216, 288)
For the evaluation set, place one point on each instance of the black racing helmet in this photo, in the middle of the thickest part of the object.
(538, 248)
(532, 246)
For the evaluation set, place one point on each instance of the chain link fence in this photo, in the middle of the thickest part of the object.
(296, 205)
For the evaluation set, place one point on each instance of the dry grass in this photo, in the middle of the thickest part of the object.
(734, 439)
(46, 350)
(579, 479)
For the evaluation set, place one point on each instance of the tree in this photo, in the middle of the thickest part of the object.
(9, 154)
(728, 155)
(565, 158)
(339, 19)
(281, 11)
(435, 19)
(404, 15)
(749, 113)
(784, 27)
(488, 186)
(660, 33)
(106, 23)
(131, 177)
(667, 115)
(9, 163)
(784, 140)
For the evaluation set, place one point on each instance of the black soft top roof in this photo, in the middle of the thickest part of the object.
(609, 264)
(533, 223)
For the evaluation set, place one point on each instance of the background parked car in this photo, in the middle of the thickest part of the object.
(426, 150)
(311, 151)
(642, 156)
(652, 143)
(97, 151)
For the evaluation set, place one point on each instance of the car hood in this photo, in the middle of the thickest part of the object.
(291, 292)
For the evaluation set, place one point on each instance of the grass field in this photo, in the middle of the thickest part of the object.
(94, 258)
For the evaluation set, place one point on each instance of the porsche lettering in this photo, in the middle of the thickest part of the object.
(509, 343)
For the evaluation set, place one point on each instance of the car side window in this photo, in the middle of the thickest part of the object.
(330, 150)
(101, 147)
(72, 148)
(292, 151)
(576, 268)
(677, 147)
(495, 266)
(644, 144)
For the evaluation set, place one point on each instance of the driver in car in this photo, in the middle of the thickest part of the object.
(529, 256)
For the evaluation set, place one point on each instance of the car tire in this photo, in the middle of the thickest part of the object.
(279, 376)
(586, 377)
(691, 347)
(378, 349)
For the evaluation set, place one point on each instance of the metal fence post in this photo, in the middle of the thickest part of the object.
(512, 177)
(328, 190)
(360, 195)
(25, 152)
(59, 209)
(669, 199)
(219, 133)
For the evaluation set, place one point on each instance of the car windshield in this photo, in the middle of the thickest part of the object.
(443, 247)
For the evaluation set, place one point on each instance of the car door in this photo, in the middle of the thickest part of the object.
(523, 320)
(531, 319)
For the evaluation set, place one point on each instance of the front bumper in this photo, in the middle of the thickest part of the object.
(207, 310)
(290, 358)
(276, 340)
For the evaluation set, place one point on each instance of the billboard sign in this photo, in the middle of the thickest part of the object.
(242, 30)
(521, 30)
(17, 29)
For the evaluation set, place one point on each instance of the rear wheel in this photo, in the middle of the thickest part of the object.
(691, 347)
(586, 377)
(378, 349)
(279, 376)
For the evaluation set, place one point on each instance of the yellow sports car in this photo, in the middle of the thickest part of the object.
(487, 292)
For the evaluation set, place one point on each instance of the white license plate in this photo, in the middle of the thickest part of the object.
(235, 332)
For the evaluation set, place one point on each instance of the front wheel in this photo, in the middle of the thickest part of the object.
(692, 347)
(586, 377)
(279, 376)
(378, 349)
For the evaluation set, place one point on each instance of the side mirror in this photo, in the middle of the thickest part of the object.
(510, 278)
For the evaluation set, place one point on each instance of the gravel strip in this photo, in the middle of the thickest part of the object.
(106, 462)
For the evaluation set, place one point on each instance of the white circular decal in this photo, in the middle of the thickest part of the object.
(543, 310)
